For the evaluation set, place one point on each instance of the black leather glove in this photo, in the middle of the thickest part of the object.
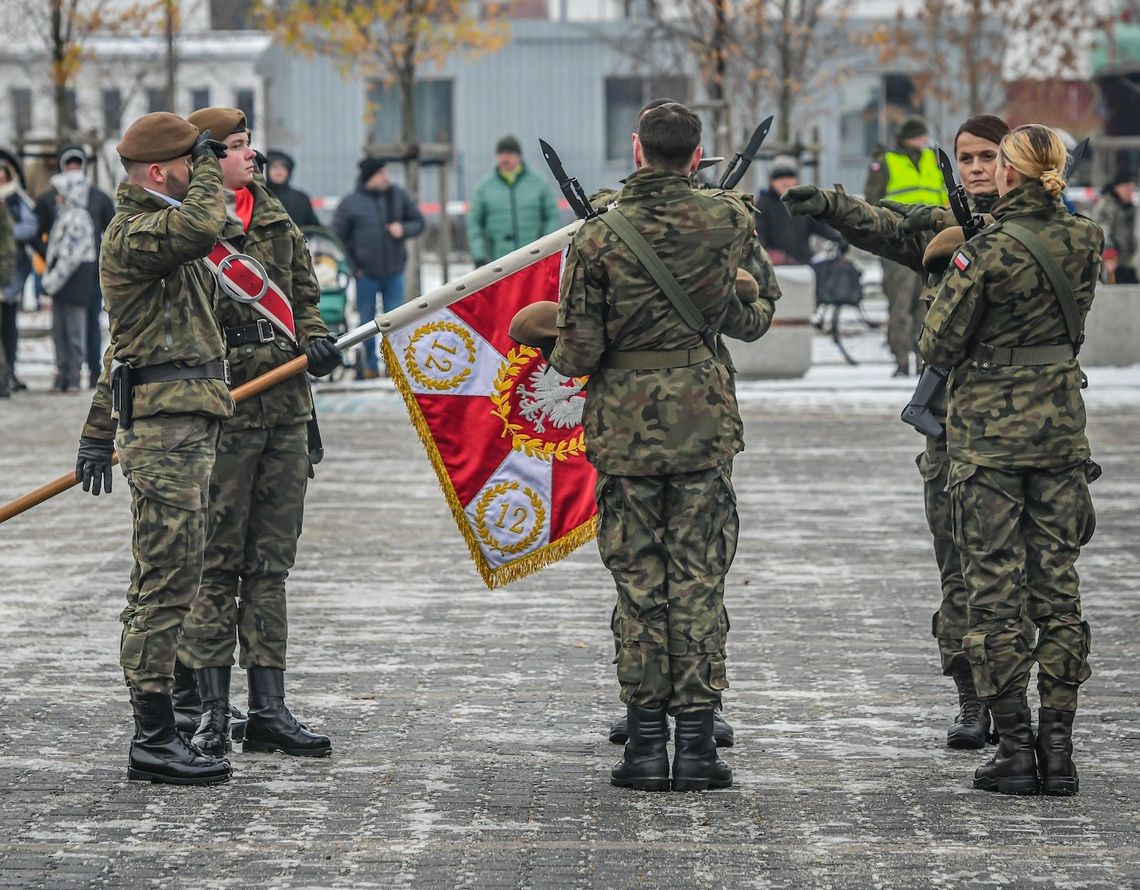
(93, 465)
(206, 146)
(323, 356)
(260, 161)
(806, 200)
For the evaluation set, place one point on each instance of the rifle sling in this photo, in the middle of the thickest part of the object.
(661, 276)
(1062, 287)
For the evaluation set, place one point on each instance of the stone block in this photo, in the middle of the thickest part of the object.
(785, 351)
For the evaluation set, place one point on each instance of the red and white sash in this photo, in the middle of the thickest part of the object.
(259, 289)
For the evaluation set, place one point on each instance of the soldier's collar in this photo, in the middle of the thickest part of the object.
(647, 181)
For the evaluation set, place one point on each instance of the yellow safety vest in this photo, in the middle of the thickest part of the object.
(910, 185)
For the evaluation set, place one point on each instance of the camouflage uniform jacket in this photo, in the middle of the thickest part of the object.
(994, 292)
(875, 228)
(276, 242)
(7, 248)
(160, 298)
(677, 420)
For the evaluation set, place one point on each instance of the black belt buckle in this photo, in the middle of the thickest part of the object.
(226, 371)
(265, 333)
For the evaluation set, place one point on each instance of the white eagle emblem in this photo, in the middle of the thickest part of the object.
(554, 398)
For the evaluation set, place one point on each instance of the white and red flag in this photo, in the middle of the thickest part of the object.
(502, 428)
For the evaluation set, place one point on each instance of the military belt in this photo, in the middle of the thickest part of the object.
(260, 331)
(984, 355)
(171, 372)
(655, 359)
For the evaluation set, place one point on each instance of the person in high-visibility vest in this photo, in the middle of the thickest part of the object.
(908, 174)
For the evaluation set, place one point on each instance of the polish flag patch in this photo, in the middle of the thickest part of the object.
(961, 261)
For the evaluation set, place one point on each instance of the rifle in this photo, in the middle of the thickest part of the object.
(932, 380)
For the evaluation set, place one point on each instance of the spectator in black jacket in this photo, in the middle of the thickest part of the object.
(298, 204)
(786, 237)
(102, 209)
(373, 223)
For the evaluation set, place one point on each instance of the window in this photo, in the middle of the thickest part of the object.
(112, 111)
(433, 112)
(624, 98)
(21, 98)
(199, 98)
(156, 99)
(231, 15)
(243, 99)
(71, 111)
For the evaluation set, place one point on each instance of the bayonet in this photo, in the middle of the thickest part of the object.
(743, 159)
(1075, 157)
(971, 223)
(571, 188)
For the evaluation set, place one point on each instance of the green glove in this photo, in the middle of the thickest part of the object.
(927, 218)
(806, 200)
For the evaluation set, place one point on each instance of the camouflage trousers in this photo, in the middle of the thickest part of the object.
(950, 623)
(257, 497)
(903, 288)
(167, 460)
(1023, 530)
(669, 541)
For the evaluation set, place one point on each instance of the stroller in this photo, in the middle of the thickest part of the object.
(330, 266)
(838, 283)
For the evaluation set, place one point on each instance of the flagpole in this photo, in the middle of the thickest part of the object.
(409, 313)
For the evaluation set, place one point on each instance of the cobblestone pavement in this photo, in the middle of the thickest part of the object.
(469, 726)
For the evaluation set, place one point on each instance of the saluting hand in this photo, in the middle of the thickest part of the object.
(805, 200)
(206, 146)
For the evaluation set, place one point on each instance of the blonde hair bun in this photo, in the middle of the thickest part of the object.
(1053, 182)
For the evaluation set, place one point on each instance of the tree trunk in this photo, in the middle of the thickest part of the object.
(59, 74)
(717, 87)
(411, 147)
(169, 12)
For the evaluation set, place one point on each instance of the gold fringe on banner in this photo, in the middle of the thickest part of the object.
(515, 569)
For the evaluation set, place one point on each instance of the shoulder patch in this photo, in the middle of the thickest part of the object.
(961, 261)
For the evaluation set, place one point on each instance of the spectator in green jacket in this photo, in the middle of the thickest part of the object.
(511, 208)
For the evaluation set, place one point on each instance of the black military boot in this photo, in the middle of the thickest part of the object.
(187, 702)
(1013, 768)
(160, 754)
(722, 731)
(695, 764)
(645, 764)
(1055, 752)
(271, 727)
(213, 735)
(971, 727)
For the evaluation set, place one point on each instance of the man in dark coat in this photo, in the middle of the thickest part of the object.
(786, 237)
(297, 203)
(373, 223)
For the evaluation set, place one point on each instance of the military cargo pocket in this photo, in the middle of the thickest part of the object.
(974, 646)
(718, 673)
(171, 526)
(1092, 472)
(630, 658)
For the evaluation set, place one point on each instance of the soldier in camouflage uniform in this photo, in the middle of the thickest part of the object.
(921, 238)
(160, 298)
(722, 730)
(662, 426)
(7, 270)
(1009, 319)
(257, 490)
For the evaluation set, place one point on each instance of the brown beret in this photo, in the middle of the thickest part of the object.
(536, 325)
(941, 247)
(747, 290)
(221, 122)
(158, 136)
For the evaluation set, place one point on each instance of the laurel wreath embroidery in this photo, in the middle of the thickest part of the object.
(517, 359)
(417, 372)
(485, 534)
